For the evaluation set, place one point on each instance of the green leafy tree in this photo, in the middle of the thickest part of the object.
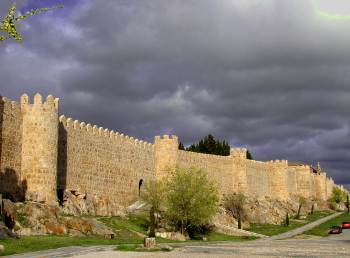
(8, 26)
(154, 195)
(338, 195)
(181, 146)
(210, 145)
(249, 155)
(347, 203)
(192, 199)
(234, 205)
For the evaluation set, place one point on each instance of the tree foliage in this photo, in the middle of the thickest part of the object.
(7, 25)
(154, 195)
(249, 155)
(192, 199)
(338, 195)
(209, 145)
(234, 205)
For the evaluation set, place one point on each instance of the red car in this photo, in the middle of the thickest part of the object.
(345, 225)
(335, 230)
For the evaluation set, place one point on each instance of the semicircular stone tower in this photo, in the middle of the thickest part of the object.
(39, 148)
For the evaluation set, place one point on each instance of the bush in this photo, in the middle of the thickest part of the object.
(192, 199)
(234, 205)
(338, 196)
(197, 232)
(333, 206)
(154, 195)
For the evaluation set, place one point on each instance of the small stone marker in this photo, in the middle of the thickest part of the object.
(149, 242)
(2, 248)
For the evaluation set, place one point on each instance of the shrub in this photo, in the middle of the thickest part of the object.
(338, 195)
(154, 195)
(234, 205)
(192, 199)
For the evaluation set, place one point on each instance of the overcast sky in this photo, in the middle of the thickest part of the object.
(272, 76)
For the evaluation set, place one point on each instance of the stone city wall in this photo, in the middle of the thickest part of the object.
(304, 181)
(39, 147)
(10, 147)
(101, 162)
(292, 182)
(218, 168)
(41, 154)
(258, 177)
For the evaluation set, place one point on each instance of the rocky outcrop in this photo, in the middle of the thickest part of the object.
(32, 218)
(234, 231)
(270, 211)
(75, 203)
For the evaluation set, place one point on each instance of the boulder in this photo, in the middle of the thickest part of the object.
(176, 236)
(2, 248)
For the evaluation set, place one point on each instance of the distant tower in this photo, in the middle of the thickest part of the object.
(39, 148)
(240, 183)
(166, 150)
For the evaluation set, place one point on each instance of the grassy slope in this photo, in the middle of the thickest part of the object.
(37, 243)
(322, 230)
(271, 230)
(123, 227)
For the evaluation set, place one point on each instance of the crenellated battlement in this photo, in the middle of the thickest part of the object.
(9, 105)
(278, 163)
(38, 103)
(239, 153)
(165, 137)
(98, 131)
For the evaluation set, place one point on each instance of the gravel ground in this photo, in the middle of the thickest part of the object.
(333, 247)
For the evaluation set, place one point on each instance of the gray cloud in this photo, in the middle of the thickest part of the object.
(270, 75)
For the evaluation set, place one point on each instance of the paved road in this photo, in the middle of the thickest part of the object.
(302, 229)
(280, 248)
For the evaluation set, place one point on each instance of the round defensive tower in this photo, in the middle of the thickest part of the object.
(39, 148)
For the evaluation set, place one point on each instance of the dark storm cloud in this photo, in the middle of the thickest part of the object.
(269, 75)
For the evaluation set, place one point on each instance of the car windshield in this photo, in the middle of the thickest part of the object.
(346, 222)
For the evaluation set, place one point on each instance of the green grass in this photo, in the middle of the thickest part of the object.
(124, 237)
(322, 230)
(37, 243)
(129, 248)
(271, 230)
(138, 223)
